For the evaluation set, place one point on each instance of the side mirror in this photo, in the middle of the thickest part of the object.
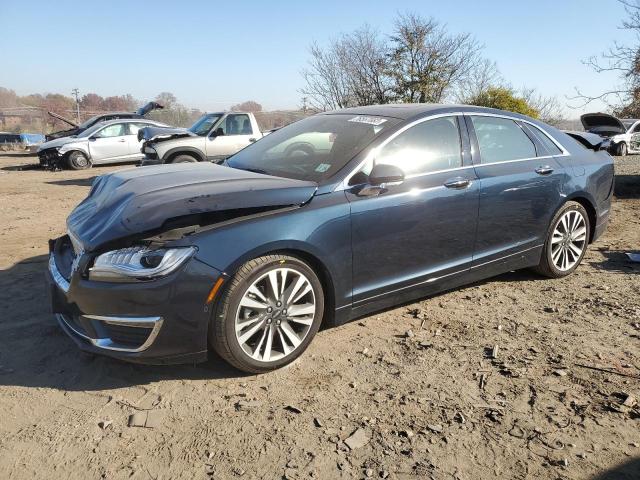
(92, 139)
(385, 174)
(218, 132)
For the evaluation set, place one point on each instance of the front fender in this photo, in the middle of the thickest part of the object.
(75, 147)
(181, 149)
(320, 229)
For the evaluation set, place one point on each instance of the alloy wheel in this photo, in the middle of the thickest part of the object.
(569, 240)
(275, 314)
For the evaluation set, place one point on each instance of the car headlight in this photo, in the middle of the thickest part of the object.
(138, 263)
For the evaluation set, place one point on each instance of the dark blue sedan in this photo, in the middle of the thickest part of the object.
(328, 219)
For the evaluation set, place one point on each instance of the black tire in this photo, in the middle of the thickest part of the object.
(222, 333)
(546, 267)
(621, 149)
(184, 158)
(78, 161)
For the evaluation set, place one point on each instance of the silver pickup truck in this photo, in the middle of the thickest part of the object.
(213, 137)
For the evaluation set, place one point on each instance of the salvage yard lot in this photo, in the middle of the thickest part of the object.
(487, 381)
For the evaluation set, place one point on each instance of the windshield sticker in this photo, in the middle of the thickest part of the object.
(368, 120)
(323, 167)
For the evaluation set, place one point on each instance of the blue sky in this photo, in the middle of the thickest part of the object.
(214, 54)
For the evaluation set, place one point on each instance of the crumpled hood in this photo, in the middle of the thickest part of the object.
(58, 142)
(140, 200)
(602, 123)
(158, 134)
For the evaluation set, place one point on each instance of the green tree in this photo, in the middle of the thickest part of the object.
(503, 98)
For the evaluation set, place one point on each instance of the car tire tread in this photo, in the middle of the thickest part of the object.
(221, 326)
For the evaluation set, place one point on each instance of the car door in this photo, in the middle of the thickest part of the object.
(109, 144)
(230, 135)
(135, 145)
(520, 188)
(422, 231)
(634, 135)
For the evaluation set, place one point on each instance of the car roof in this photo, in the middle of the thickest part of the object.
(406, 111)
(129, 120)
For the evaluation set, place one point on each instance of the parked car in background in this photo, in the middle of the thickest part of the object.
(250, 257)
(623, 134)
(105, 117)
(26, 141)
(106, 142)
(213, 137)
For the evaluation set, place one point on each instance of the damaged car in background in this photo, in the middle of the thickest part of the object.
(623, 134)
(213, 137)
(249, 258)
(79, 128)
(113, 141)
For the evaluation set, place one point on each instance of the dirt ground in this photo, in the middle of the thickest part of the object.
(412, 392)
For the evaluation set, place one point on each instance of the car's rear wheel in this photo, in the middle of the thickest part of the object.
(184, 159)
(566, 242)
(78, 161)
(268, 314)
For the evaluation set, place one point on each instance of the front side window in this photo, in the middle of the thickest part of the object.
(236, 124)
(430, 146)
(115, 130)
(501, 140)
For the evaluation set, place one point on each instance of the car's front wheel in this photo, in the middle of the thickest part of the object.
(268, 314)
(621, 149)
(566, 241)
(78, 161)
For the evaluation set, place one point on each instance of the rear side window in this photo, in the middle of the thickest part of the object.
(551, 147)
(236, 124)
(115, 130)
(501, 140)
(429, 146)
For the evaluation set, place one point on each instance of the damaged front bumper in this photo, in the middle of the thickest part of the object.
(163, 321)
(50, 158)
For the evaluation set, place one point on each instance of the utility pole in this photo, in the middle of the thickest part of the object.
(76, 93)
(304, 104)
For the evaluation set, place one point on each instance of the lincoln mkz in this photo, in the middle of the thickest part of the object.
(374, 207)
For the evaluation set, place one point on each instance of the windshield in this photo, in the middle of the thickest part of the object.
(204, 124)
(88, 123)
(628, 123)
(312, 149)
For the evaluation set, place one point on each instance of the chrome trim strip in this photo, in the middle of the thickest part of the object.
(487, 114)
(544, 157)
(60, 281)
(507, 256)
(435, 279)
(344, 185)
(106, 343)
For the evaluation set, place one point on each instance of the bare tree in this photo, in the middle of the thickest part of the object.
(248, 106)
(620, 58)
(352, 70)
(481, 77)
(549, 108)
(428, 62)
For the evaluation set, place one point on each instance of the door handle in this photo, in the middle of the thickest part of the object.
(122, 140)
(544, 170)
(458, 183)
(251, 140)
